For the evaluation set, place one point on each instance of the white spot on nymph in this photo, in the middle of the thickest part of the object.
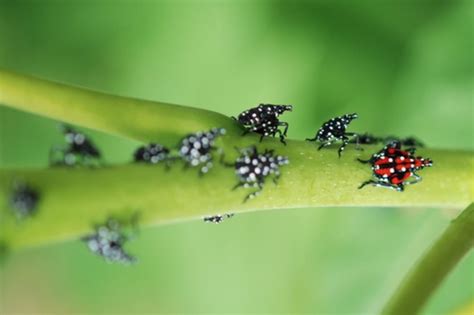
(79, 138)
(402, 158)
(390, 160)
(392, 170)
(403, 169)
(243, 170)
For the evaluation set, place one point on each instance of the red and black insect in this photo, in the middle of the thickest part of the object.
(393, 167)
(335, 130)
(263, 120)
(80, 150)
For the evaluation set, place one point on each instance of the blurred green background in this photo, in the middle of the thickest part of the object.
(406, 67)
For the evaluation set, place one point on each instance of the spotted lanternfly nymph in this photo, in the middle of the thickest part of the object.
(410, 141)
(393, 167)
(252, 168)
(152, 154)
(263, 120)
(108, 241)
(334, 130)
(79, 150)
(367, 138)
(24, 201)
(196, 148)
(218, 218)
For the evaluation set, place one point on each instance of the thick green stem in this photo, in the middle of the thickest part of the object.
(73, 199)
(128, 117)
(434, 266)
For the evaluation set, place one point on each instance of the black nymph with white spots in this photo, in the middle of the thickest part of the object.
(79, 150)
(24, 201)
(108, 241)
(218, 218)
(263, 120)
(335, 130)
(367, 138)
(252, 168)
(196, 148)
(152, 153)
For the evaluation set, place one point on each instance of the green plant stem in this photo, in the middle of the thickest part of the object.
(73, 199)
(132, 118)
(434, 266)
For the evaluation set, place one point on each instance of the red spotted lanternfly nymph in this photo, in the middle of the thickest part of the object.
(393, 167)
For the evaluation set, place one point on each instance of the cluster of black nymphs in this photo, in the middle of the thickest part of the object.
(392, 167)
(108, 242)
(195, 149)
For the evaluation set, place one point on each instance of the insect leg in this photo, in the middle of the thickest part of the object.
(312, 139)
(282, 136)
(324, 144)
(285, 124)
(371, 160)
(382, 184)
(341, 148)
(239, 184)
(276, 177)
(356, 137)
(255, 193)
(414, 181)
